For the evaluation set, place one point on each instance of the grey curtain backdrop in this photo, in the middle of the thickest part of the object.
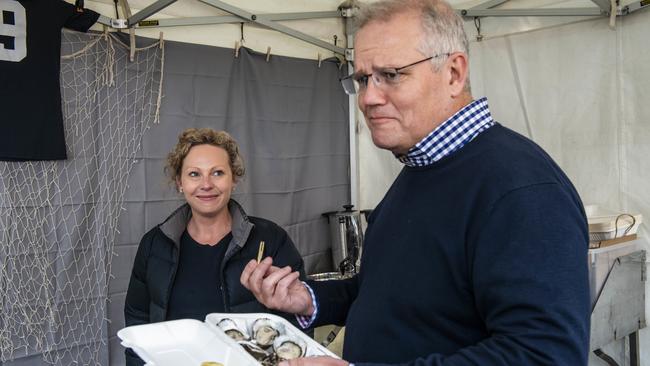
(290, 119)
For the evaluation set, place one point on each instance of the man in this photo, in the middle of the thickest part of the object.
(477, 253)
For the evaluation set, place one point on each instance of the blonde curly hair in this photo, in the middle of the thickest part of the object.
(203, 136)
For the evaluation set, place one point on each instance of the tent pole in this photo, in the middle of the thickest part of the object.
(148, 11)
(354, 148)
(347, 11)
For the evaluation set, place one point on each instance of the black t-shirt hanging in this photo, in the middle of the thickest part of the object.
(31, 120)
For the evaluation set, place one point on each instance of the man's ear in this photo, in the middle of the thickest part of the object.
(459, 72)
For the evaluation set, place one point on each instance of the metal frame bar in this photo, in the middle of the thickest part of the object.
(353, 141)
(637, 5)
(604, 5)
(301, 15)
(531, 12)
(489, 4)
(124, 4)
(485, 9)
(225, 19)
(148, 11)
(103, 19)
(272, 25)
(635, 357)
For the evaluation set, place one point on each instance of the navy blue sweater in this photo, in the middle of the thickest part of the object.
(477, 259)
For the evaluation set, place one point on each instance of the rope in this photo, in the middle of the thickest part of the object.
(162, 74)
(612, 14)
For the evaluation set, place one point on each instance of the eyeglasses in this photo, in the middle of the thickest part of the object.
(357, 83)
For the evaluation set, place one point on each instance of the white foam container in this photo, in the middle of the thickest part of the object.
(182, 342)
(603, 226)
(191, 342)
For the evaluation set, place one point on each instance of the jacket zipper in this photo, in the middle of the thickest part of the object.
(171, 282)
(222, 267)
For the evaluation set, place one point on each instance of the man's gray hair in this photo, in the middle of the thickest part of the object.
(442, 26)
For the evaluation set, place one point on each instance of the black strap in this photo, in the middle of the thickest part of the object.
(605, 357)
(117, 13)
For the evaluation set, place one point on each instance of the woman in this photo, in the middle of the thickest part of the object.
(189, 265)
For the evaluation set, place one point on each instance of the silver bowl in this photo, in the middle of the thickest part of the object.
(327, 276)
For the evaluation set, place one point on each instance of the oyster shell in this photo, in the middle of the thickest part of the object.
(289, 347)
(265, 331)
(254, 350)
(236, 335)
(232, 330)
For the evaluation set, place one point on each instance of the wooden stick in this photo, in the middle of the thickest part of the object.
(608, 242)
(260, 251)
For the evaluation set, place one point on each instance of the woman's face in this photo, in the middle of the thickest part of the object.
(206, 180)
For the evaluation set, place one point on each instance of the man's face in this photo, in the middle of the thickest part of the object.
(401, 115)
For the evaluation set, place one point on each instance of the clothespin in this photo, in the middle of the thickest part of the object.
(477, 24)
(319, 60)
(341, 61)
(268, 53)
(237, 46)
(79, 6)
(132, 44)
(160, 42)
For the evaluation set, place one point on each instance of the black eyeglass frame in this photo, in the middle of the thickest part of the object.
(352, 83)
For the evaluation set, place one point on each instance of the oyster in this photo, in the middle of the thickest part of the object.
(236, 335)
(270, 360)
(254, 350)
(288, 347)
(232, 330)
(265, 331)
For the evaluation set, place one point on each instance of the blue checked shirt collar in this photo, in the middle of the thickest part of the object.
(451, 135)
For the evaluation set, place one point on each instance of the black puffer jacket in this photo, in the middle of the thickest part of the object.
(156, 262)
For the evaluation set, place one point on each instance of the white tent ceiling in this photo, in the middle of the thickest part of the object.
(255, 37)
(509, 17)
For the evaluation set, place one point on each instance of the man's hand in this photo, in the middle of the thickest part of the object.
(314, 361)
(277, 288)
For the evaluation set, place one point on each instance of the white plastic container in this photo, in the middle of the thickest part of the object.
(191, 342)
(182, 342)
(603, 223)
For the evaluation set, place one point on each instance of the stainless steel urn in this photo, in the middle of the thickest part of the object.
(347, 237)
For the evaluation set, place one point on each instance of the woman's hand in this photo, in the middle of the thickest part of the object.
(277, 288)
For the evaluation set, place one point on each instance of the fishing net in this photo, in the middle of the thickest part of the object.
(58, 219)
